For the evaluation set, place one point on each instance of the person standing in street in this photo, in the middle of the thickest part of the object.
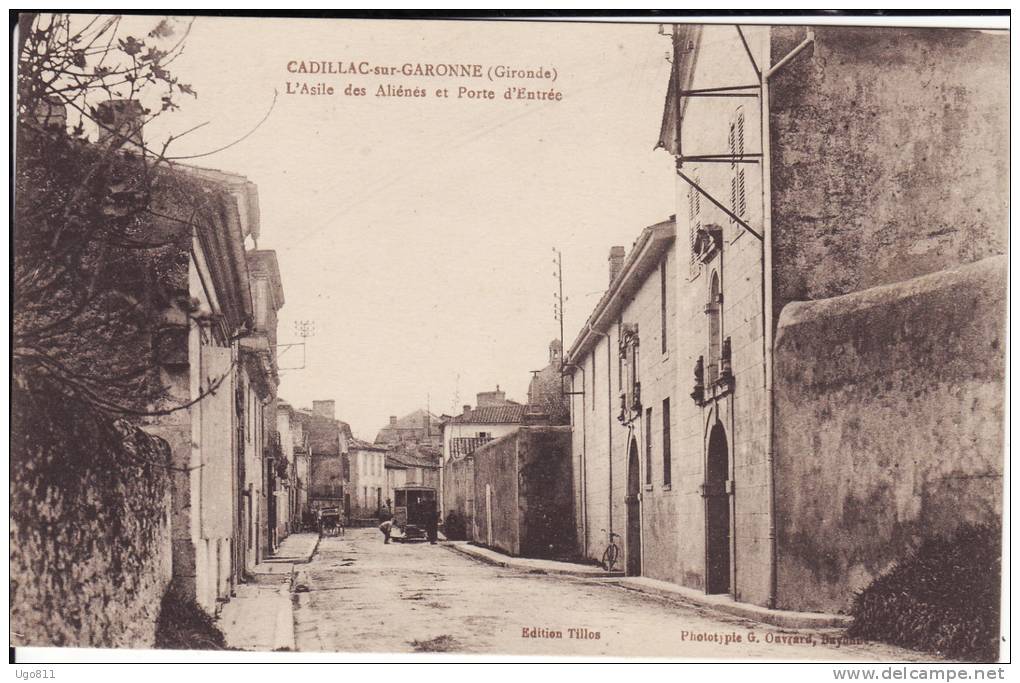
(385, 528)
(432, 525)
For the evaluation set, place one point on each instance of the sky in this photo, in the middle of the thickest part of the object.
(419, 233)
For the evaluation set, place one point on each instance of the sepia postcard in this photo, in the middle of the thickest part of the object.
(497, 337)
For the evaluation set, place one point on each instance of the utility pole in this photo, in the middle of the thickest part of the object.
(303, 329)
(558, 308)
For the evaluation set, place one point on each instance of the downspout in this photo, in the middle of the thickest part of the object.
(584, 451)
(584, 462)
(768, 331)
(609, 417)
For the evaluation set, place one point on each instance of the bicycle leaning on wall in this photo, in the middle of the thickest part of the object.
(611, 555)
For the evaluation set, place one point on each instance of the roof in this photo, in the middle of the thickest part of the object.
(264, 261)
(413, 422)
(244, 191)
(402, 459)
(324, 434)
(466, 445)
(512, 413)
(682, 71)
(643, 258)
(359, 445)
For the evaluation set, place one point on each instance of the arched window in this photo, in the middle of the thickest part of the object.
(714, 311)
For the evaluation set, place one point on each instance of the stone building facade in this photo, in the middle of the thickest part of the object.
(329, 468)
(418, 427)
(220, 360)
(811, 165)
(547, 402)
(368, 478)
(494, 416)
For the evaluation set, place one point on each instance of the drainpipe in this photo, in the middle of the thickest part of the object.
(768, 331)
(584, 462)
(584, 449)
(609, 416)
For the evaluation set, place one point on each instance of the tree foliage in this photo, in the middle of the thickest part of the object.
(101, 231)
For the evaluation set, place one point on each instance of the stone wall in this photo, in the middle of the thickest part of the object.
(544, 502)
(890, 152)
(496, 495)
(459, 489)
(889, 426)
(90, 528)
(528, 476)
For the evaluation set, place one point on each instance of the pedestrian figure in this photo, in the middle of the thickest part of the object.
(385, 528)
(432, 525)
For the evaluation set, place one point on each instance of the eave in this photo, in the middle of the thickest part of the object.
(644, 256)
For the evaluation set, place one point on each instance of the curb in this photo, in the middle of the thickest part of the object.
(774, 617)
(687, 596)
(303, 559)
(510, 563)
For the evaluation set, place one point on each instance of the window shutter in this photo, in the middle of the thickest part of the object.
(733, 197)
(741, 194)
(732, 142)
(739, 142)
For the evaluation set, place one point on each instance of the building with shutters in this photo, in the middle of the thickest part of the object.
(767, 402)
(218, 353)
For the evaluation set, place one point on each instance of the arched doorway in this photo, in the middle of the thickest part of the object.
(633, 512)
(717, 513)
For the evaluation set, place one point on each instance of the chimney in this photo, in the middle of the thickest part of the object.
(393, 420)
(615, 262)
(467, 408)
(120, 123)
(51, 113)
(488, 399)
(325, 409)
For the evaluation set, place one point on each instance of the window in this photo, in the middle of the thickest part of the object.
(648, 447)
(619, 333)
(738, 191)
(630, 388)
(714, 311)
(694, 216)
(667, 447)
(662, 303)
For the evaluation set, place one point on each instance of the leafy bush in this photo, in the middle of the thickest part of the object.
(183, 625)
(944, 598)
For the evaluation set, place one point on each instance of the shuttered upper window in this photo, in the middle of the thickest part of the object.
(738, 190)
(694, 216)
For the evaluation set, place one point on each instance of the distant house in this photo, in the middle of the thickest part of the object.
(419, 427)
(494, 416)
(368, 478)
(287, 517)
(329, 442)
(412, 466)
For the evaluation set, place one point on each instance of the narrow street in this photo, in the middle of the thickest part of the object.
(359, 595)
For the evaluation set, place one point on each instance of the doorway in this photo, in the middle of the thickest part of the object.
(633, 512)
(717, 513)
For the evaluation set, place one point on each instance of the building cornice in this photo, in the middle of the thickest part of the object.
(644, 256)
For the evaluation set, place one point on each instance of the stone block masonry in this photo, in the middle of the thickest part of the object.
(90, 527)
(522, 493)
(889, 413)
